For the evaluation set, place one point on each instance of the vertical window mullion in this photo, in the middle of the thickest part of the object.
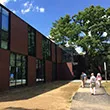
(15, 69)
(0, 24)
(21, 70)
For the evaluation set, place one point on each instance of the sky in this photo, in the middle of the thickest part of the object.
(40, 14)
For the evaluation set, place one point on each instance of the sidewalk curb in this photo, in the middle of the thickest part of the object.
(106, 91)
(73, 95)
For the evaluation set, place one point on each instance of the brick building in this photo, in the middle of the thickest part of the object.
(26, 55)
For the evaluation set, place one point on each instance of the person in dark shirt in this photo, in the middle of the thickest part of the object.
(83, 79)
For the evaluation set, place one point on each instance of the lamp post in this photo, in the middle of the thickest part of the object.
(105, 71)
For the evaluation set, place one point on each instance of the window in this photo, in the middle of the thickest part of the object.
(4, 44)
(17, 69)
(4, 28)
(46, 49)
(0, 9)
(5, 19)
(4, 36)
(66, 57)
(5, 12)
(4, 22)
(31, 41)
(40, 71)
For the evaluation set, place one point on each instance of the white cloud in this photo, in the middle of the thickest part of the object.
(37, 8)
(26, 3)
(25, 11)
(29, 6)
(42, 10)
(4, 2)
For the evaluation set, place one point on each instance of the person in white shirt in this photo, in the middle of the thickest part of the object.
(92, 84)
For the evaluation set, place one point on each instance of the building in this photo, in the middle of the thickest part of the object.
(26, 55)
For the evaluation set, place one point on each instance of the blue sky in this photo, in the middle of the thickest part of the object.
(41, 13)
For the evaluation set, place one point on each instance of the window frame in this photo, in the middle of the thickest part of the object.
(18, 69)
(4, 43)
(31, 41)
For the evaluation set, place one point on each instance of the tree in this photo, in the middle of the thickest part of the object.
(89, 29)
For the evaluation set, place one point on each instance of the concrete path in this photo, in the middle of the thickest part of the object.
(83, 100)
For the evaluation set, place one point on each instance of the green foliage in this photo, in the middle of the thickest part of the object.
(61, 30)
(86, 29)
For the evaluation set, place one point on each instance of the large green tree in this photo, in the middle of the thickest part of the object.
(89, 29)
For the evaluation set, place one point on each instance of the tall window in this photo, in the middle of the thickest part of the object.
(55, 53)
(31, 41)
(17, 69)
(40, 71)
(46, 49)
(66, 57)
(4, 28)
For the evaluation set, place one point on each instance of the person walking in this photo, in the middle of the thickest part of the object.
(83, 79)
(92, 84)
(99, 79)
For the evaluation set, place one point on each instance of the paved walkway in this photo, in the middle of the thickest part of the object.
(83, 100)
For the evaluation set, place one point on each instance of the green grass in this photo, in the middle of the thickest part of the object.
(106, 85)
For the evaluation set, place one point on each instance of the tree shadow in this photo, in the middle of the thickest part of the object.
(20, 108)
(29, 92)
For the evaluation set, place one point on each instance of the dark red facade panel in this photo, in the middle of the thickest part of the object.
(53, 52)
(65, 71)
(39, 45)
(19, 45)
(19, 35)
(31, 71)
(59, 71)
(48, 71)
(59, 55)
(4, 69)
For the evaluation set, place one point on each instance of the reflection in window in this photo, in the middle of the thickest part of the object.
(39, 71)
(4, 30)
(4, 44)
(4, 35)
(5, 12)
(31, 41)
(12, 59)
(4, 22)
(0, 9)
(46, 47)
(66, 57)
(17, 69)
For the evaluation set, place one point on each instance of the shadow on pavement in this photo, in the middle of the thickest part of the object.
(29, 92)
(19, 108)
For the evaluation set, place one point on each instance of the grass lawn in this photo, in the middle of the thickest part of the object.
(106, 85)
(50, 96)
